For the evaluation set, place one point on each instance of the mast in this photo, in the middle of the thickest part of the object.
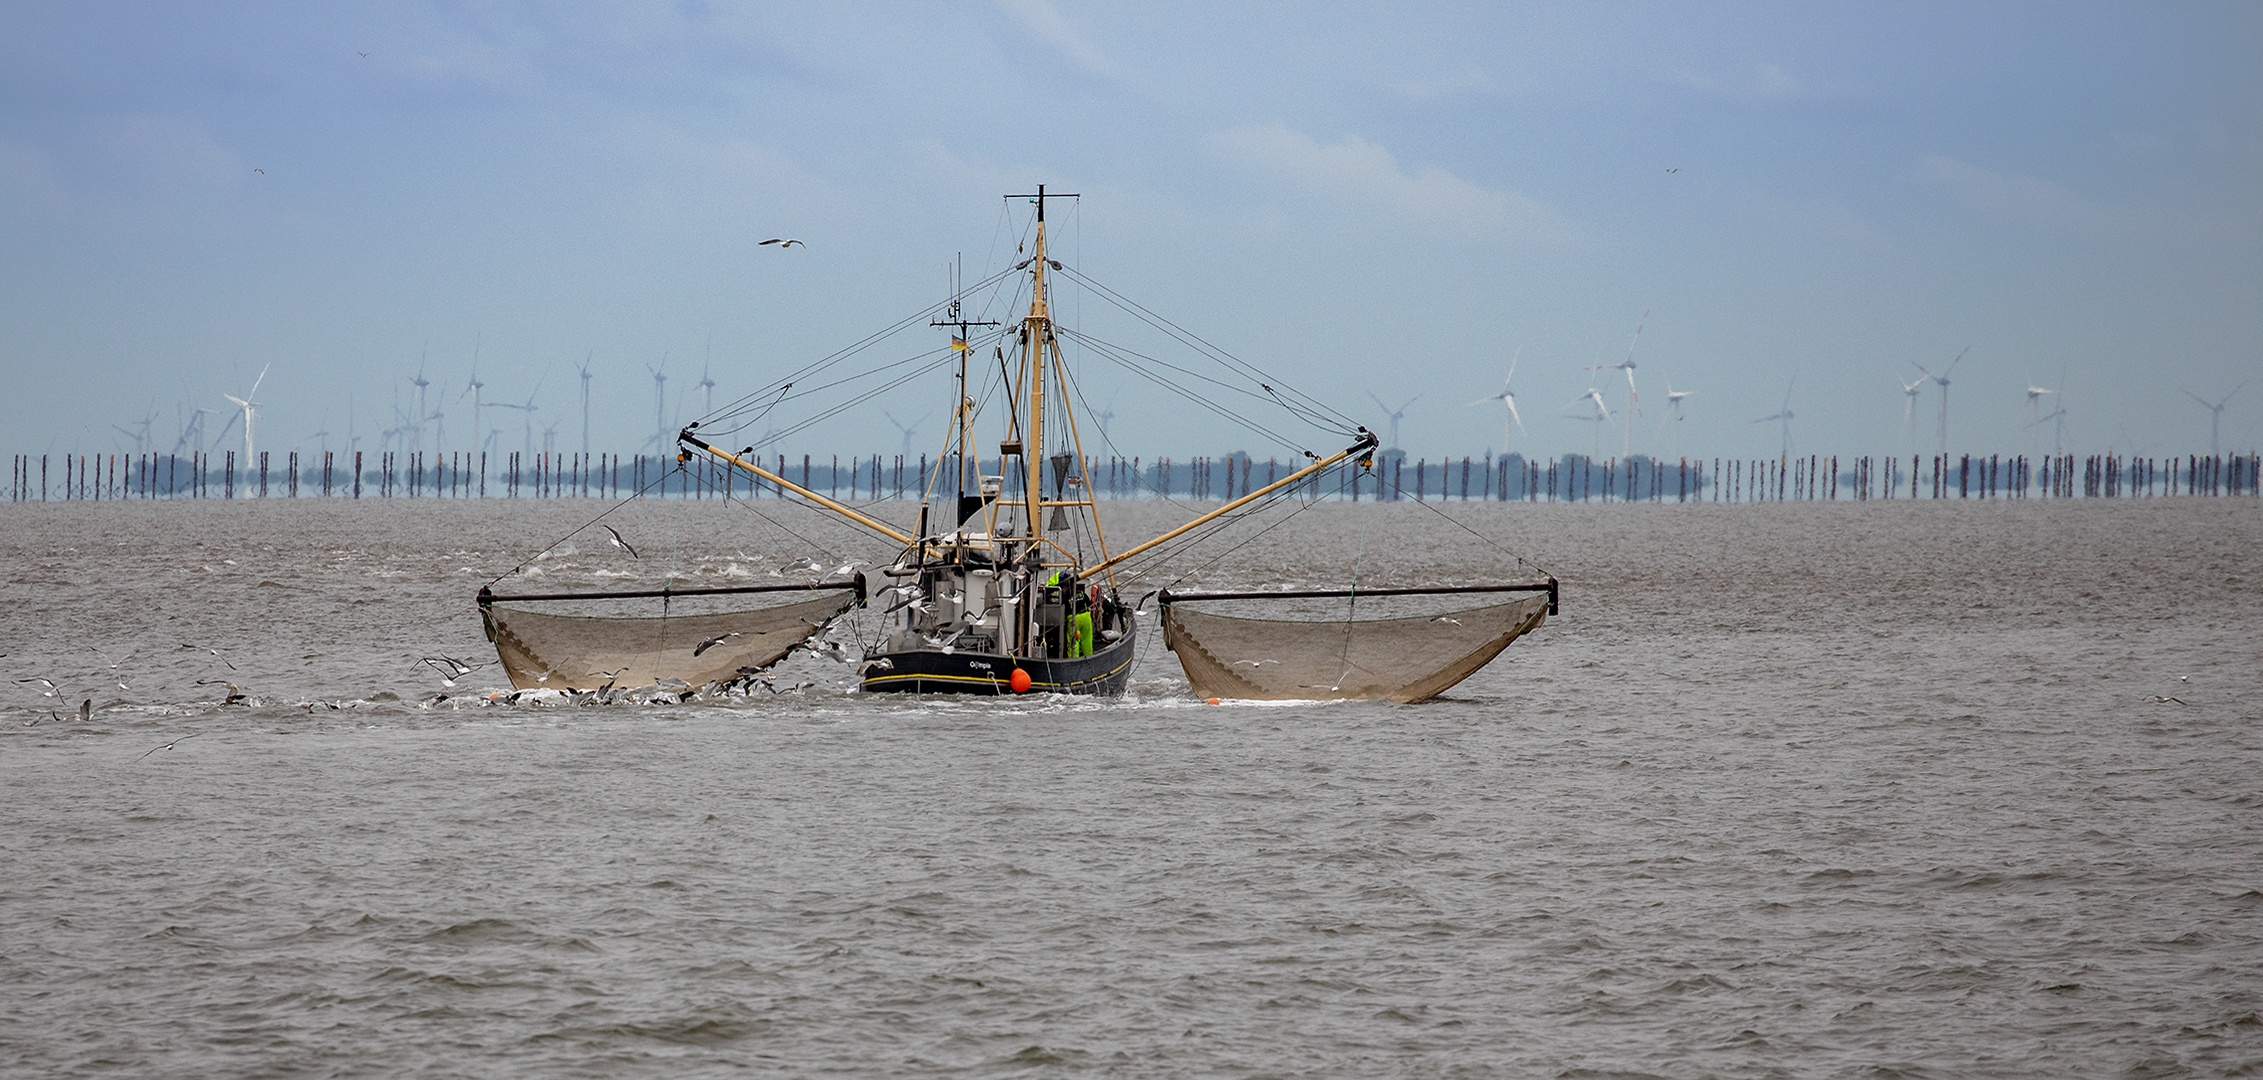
(961, 413)
(1037, 330)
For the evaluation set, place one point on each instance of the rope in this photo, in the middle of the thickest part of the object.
(633, 496)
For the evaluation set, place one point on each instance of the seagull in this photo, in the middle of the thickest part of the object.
(620, 543)
(1442, 618)
(449, 667)
(913, 602)
(830, 650)
(1673, 170)
(802, 565)
(845, 568)
(170, 745)
(49, 692)
(782, 243)
(86, 709)
(261, 172)
(2166, 700)
(609, 676)
(235, 696)
(211, 650)
(878, 663)
(714, 641)
(1255, 663)
(363, 55)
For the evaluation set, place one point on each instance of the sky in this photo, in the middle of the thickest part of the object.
(1793, 203)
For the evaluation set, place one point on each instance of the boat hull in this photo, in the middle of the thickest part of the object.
(925, 671)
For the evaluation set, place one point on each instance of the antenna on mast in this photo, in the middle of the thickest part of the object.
(955, 316)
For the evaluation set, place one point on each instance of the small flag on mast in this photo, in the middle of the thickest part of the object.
(958, 343)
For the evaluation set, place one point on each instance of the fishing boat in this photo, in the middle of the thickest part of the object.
(1011, 585)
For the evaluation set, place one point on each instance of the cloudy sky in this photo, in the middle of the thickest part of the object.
(1364, 200)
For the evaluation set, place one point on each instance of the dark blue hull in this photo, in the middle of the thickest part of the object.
(927, 671)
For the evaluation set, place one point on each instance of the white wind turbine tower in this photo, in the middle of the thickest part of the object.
(250, 406)
(1634, 403)
(2215, 416)
(1943, 379)
(584, 369)
(1909, 408)
(1508, 397)
(1784, 414)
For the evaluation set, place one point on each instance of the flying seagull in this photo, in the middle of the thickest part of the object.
(781, 242)
(620, 543)
(449, 668)
(170, 745)
(714, 641)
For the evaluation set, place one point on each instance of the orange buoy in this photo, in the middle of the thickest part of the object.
(1213, 701)
(1019, 681)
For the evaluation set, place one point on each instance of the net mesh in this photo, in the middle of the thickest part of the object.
(579, 652)
(1400, 659)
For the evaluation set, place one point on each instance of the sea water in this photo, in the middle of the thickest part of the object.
(1843, 789)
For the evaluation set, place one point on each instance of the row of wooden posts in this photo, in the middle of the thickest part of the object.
(1572, 478)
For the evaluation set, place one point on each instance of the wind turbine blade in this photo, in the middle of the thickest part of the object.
(255, 382)
(1519, 421)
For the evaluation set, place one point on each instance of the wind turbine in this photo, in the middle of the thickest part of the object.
(1601, 417)
(659, 403)
(1943, 379)
(1634, 403)
(472, 390)
(1674, 413)
(1507, 397)
(1784, 414)
(529, 409)
(1909, 408)
(140, 437)
(707, 385)
(420, 382)
(583, 367)
(905, 430)
(1395, 416)
(2035, 406)
(2059, 427)
(2215, 415)
(249, 406)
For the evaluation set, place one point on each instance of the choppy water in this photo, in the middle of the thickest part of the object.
(1796, 790)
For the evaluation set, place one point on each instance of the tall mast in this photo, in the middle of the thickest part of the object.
(960, 412)
(1034, 328)
(1037, 329)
